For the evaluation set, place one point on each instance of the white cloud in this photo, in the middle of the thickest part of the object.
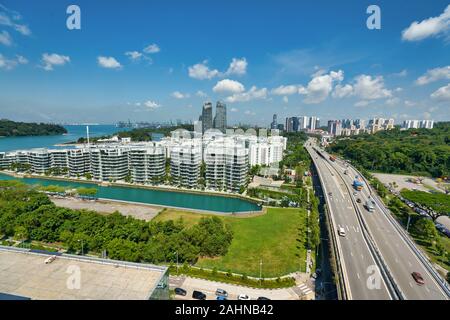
(409, 103)
(237, 67)
(342, 91)
(152, 48)
(152, 105)
(49, 60)
(9, 64)
(229, 86)
(434, 75)
(285, 90)
(5, 38)
(392, 101)
(13, 19)
(201, 94)
(430, 27)
(108, 62)
(179, 95)
(201, 71)
(401, 74)
(234, 110)
(368, 88)
(249, 113)
(252, 94)
(285, 99)
(442, 94)
(362, 103)
(320, 86)
(134, 55)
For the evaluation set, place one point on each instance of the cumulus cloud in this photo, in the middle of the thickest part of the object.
(179, 95)
(152, 48)
(434, 75)
(341, 91)
(252, 94)
(442, 94)
(237, 67)
(50, 60)
(228, 86)
(361, 103)
(9, 64)
(431, 27)
(134, 55)
(285, 90)
(152, 105)
(5, 38)
(285, 99)
(108, 62)
(13, 19)
(370, 88)
(201, 71)
(320, 86)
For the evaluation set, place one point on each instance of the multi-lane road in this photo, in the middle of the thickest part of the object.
(372, 241)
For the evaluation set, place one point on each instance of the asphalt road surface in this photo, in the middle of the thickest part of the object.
(397, 254)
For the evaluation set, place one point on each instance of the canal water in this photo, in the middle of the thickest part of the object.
(156, 197)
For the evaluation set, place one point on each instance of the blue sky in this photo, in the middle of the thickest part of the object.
(160, 60)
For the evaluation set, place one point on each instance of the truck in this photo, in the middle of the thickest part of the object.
(358, 184)
(332, 158)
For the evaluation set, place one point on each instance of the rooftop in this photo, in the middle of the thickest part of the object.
(25, 274)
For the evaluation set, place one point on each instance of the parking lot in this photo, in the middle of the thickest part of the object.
(209, 288)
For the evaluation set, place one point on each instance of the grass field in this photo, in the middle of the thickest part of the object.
(273, 237)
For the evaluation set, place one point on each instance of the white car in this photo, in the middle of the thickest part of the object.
(341, 232)
(243, 297)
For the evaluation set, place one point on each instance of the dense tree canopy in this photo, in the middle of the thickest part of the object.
(413, 151)
(436, 204)
(28, 214)
(10, 128)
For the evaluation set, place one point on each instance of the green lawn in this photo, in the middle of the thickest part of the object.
(273, 237)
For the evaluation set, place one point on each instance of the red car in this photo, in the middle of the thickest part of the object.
(418, 278)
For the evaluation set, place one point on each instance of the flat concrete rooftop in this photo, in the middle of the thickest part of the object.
(26, 274)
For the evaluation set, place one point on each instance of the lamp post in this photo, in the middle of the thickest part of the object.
(82, 252)
(176, 252)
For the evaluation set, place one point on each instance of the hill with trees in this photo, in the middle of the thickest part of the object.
(10, 128)
(414, 151)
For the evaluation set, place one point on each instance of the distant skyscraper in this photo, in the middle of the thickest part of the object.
(317, 123)
(274, 124)
(335, 127)
(220, 120)
(312, 123)
(303, 123)
(207, 120)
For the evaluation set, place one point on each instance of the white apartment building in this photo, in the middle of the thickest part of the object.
(226, 165)
(147, 163)
(109, 163)
(185, 162)
(416, 124)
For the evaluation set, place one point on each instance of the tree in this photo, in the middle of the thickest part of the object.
(21, 233)
(426, 229)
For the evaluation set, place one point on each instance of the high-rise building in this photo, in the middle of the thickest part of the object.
(207, 119)
(303, 123)
(335, 127)
(274, 124)
(312, 123)
(317, 123)
(220, 120)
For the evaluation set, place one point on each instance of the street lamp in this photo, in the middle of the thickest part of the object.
(82, 253)
(176, 252)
